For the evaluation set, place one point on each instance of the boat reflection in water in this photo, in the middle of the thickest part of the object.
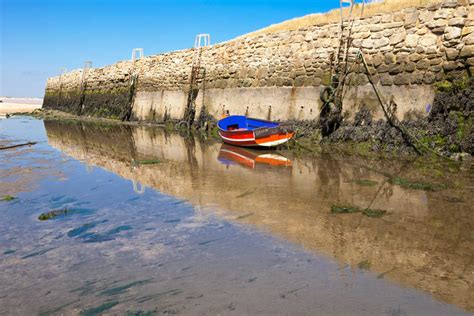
(251, 158)
(425, 242)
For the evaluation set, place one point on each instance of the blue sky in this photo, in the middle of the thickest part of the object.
(38, 37)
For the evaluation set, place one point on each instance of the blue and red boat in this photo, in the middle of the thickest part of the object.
(243, 131)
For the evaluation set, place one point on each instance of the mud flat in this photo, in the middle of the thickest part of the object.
(161, 223)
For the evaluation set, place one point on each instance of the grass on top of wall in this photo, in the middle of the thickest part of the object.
(334, 16)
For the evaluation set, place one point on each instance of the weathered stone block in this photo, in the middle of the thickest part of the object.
(428, 40)
(467, 51)
(386, 80)
(452, 53)
(411, 40)
(426, 16)
(470, 61)
(415, 57)
(401, 79)
(410, 67)
(452, 32)
(411, 18)
(423, 64)
(397, 38)
(449, 4)
(457, 22)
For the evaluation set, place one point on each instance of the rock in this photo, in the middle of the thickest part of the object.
(383, 68)
(457, 22)
(395, 69)
(451, 33)
(411, 18)
(386, 80)
(401, 79)
(411, 40)
(470, 61)
(461, 156)
(451, 53)
(397, 38)
(389, 58)
(442, 14)
(460, 12)
(368, 43)
(467, 51)
(380, 42)
(449, 4)
(410, 67)
(376, 28)
(452, 65)
(428, 40)
(469, 39)
(426, 16)
(423, 64)
(415, 57)
(429, 78)
(377, 60)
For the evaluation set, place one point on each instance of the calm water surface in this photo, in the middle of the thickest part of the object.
(164, 224)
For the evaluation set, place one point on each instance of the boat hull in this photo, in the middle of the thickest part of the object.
(248, 139)
(249, 132)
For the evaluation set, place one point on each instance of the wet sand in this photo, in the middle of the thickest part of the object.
(19, 105)
(181, 225)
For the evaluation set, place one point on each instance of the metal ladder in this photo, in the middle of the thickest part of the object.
(346, 23)
(202, 40)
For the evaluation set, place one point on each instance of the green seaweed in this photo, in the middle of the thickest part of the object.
(37, 253)
(344, 209)
(52, 214)
(248, 192)
(99, 309)
(414, 185)
(338, 209)
(8, 198)
(141, 313)
(57, 309)
(364, 265)
(365, 182)
(373, 212)
(148, 162)
(123, 288)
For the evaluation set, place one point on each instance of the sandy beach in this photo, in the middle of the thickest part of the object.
(19, 105)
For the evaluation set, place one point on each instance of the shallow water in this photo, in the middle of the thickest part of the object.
(161, 223)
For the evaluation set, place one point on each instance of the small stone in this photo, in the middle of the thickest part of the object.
(397, 38)
(452, 32)
(426, 16)
(451, 65)
(461, 12)
(411, 40)
(401, 79)
(386, 80)
(470, 61)
(449, 4)
(423, 64)
(389, 58)
(410, 67)
(429, 78)
(467, 51)
(452, 53)
(368, 43)
(380, 42)
(457, 22)
(411, 18)
(395, 69)
(428, 40)
(415, 57)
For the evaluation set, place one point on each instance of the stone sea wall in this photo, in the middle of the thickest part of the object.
(279, 76)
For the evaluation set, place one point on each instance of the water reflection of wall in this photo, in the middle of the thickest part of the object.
(424, 243)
